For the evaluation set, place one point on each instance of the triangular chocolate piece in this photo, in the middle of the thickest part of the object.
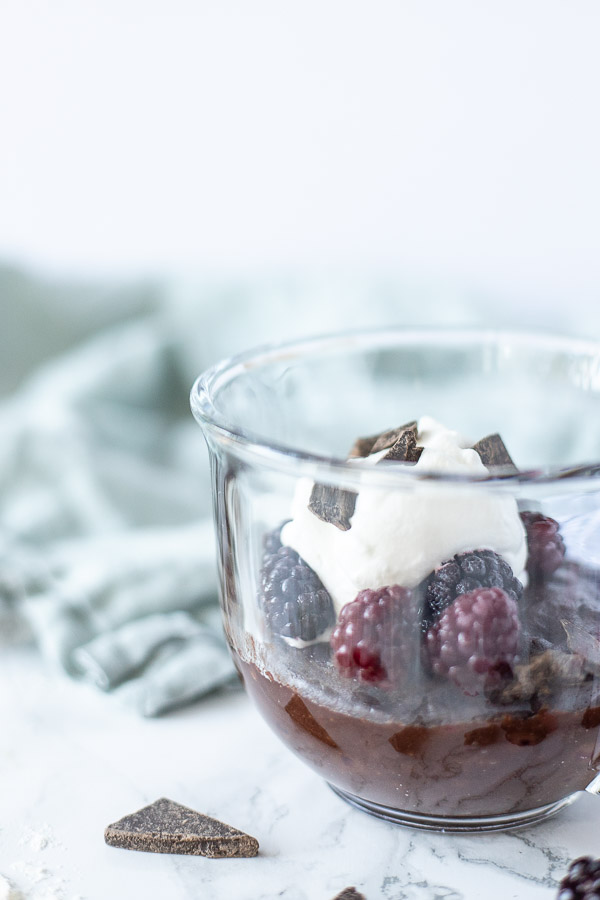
(410, 740)
(385, 440)
(168, 827)
(299, 712)
(494, 454)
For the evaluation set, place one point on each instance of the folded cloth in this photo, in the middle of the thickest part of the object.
(106, 540)
(136, 610)
(172, 679)
(114, 656)
(106, 546)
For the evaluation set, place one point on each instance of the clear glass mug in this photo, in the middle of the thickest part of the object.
(413, 628)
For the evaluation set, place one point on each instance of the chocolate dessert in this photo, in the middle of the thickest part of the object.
(528, 740)
(436, 661)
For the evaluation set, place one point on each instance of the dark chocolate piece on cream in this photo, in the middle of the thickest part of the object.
(405, 448)
(350, 893)
(168, 827)
(494, 454)
(387, 439)
(333, 505)
(401, 444)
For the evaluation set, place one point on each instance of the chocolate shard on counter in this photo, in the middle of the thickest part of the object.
(494, 454)
(168, 827)
(350, 893)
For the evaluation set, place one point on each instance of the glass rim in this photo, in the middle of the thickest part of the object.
(283, 457)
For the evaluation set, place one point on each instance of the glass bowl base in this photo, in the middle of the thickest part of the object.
(456, 824)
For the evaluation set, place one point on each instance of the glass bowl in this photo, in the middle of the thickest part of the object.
(417, 620)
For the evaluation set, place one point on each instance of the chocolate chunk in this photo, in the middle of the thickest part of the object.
(530, 730)
(299, 712)
(410, 740)
(484, 736)
(401, 444)
(405, 448)
(494, 454)
(387, 439)
(168, 827)
(333, 505)
(350, 893)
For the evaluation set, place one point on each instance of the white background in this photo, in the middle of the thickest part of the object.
(456, 140)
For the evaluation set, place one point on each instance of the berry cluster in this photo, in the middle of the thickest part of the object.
(469, 609)
(292, 596)
(464, 573)
(582, 881)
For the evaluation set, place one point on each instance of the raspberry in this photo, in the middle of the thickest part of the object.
(546, 546)
(369, 640)
(467, 572)
(293, 599)
(474, 638)
(582, 881)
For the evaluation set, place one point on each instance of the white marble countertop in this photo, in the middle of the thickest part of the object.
(72, 761)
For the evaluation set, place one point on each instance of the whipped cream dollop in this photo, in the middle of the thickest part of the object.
(400, 536)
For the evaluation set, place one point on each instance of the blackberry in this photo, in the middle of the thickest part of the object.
(545, 544)
(463, 573)
(370, 640)
(292, 596)
(582, 881)
(272, 541)
(475, 638)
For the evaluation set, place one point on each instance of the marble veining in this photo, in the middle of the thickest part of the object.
(71, 761)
